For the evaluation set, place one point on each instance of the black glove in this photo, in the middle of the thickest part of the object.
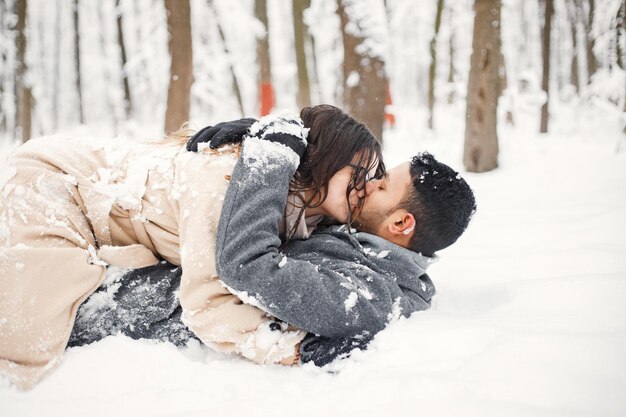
(323, 350)
(220, 134)
(288, 132)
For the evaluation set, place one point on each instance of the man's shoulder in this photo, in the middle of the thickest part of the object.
(341, 241)
(373, 247)
(324, 238)
(364, 256)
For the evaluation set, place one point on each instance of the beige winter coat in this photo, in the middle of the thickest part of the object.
(69, 208)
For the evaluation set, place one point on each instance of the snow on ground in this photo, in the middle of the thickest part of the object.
(529, 319)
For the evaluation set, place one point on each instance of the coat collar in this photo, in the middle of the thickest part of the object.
(374, 245)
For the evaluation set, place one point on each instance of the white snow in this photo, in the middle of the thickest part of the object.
(365, 293)
(245, 297)
(260, 155)
(528, 319)
(353, 79)
(350, 302)
(396, 311)
(100, 300)
(93, 256)
(275, 123)
(367, 20)
(6, 173)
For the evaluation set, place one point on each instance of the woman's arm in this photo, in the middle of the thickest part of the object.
(312, 294)
(216, 316)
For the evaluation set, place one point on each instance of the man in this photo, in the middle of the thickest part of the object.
(340, 284)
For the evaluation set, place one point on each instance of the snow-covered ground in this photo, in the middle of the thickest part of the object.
(529, 320)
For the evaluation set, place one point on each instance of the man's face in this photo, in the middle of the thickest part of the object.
(381, 198)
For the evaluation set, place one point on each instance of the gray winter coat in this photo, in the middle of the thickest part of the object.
(336, 283)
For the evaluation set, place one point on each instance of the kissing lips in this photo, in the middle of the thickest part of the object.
(355, 210)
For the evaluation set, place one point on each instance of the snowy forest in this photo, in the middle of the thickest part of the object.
(129, 63)
(526, 99)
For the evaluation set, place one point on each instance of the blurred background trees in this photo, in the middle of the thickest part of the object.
(181, 69)
(128, 64)
(483, 90)
(363, 29)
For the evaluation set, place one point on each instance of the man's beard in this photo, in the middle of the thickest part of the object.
(369, 221)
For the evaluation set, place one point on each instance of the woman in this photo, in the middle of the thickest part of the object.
(72, 208)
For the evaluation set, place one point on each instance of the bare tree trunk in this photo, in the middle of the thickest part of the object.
(316, 76)
(24, 97)
(235, 83)
(266, 90)
(364, 78)
(573, 13)
(623, 32)
(620, 27)
(545, 81)
(27, 113)
(300, 30)
(181, 69)
(621, 51)
(556, 45)
(300, 34)
(79, 90)
(432, 70)
(481, 137)
(592, 62)
(128, 103)
(503, 83)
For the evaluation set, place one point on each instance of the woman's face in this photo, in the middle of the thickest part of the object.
(335, 205)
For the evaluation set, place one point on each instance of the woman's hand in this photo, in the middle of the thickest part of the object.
(220, 134)
(286, 131)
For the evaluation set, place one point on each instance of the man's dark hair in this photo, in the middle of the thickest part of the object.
(441, 202)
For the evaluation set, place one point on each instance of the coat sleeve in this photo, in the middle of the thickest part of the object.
(310, 294)
(217, 317)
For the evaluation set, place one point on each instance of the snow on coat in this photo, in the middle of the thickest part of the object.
(71, 207)
(337, 283)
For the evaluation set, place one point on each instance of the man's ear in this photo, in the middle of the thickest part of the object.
(403, 224)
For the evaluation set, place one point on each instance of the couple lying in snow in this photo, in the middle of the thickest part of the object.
(218, 246)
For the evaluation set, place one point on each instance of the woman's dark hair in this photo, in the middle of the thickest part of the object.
(335, 139)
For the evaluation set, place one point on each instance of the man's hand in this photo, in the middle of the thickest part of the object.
(323, 350)
(220, 134)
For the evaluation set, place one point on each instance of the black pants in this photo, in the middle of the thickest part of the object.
(141, 304)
